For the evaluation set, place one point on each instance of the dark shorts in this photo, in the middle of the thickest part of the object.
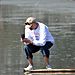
(29, 49)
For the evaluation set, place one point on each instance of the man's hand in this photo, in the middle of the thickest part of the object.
(27, 40)
(21, 40)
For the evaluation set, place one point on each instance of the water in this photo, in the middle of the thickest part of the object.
(58, 15)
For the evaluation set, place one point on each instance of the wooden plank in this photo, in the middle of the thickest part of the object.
(49, 70)
(50, 73)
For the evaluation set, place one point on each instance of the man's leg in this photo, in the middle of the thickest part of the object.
(30, 61)
(29, 49)
(46, 60)
(30, 67)
(45, 51)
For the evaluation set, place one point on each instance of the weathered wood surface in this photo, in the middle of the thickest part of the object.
(50, 70)
(50, 73)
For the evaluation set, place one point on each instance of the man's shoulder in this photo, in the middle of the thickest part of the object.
(41, 25)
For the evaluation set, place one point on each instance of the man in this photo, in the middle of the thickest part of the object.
(37, 37)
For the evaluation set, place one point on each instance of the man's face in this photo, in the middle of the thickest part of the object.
(33, 27)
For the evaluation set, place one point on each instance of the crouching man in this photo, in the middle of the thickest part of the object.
(37, 37)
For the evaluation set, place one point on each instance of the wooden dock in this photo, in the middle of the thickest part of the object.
(51, 71)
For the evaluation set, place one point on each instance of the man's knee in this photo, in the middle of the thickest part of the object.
(45, 52)
(25, 47)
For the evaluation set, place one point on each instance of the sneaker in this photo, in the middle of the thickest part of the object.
(48, 67)
(30, 67)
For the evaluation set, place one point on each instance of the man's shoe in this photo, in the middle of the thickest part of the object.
(48, 67)
(30, 67)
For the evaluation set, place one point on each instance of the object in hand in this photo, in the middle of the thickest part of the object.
(22, 36)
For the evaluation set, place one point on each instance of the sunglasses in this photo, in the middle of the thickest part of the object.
(27, 23)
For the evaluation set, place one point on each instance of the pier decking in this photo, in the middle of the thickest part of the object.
(51, 71)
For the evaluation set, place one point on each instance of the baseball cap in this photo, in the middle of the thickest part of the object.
(30, 20)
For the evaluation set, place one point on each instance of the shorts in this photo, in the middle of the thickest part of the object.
(30, 49)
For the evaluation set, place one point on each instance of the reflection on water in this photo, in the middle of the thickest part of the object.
(58, 15)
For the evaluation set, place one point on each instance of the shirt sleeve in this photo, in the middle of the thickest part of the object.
(43, 35)
(27, 33)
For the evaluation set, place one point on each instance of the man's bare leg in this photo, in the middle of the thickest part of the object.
(30, 67)
(30, 61)
(47, 60)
